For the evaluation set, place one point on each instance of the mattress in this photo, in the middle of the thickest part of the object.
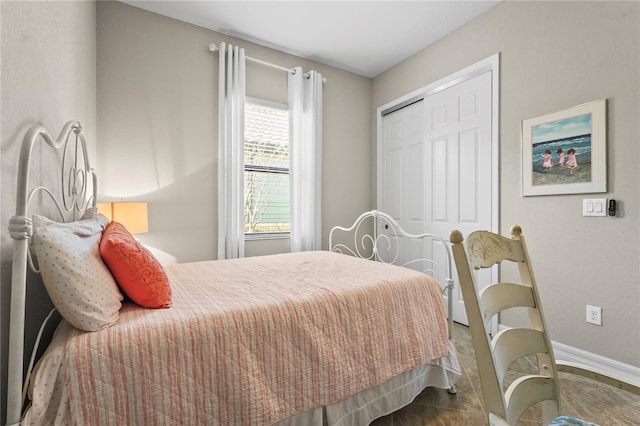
(254, 341)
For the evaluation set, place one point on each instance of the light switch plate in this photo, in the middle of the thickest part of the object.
(594, 207)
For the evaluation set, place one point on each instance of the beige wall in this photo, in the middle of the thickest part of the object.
(554, 55)
(157, 127)
(48, 77)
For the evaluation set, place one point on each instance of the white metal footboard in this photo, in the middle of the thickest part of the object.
(376, 235)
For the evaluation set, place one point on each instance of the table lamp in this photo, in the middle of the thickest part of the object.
(134, 216)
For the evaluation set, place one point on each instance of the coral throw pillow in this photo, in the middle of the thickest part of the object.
(137, 272)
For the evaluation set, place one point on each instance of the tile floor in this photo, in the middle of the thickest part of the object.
(582, 398)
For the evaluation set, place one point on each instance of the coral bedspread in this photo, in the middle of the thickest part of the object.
(249, 341)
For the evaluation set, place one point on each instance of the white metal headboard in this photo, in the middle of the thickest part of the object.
(369, 243)
(78, 184)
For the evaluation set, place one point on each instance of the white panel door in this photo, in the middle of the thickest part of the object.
(437, 171)
(403, 156)
(458, 166)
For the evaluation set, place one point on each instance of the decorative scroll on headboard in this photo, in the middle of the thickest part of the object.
(78, 193)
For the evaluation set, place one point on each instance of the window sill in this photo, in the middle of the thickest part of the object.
(267, 236)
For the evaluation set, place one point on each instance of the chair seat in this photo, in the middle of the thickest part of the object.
(570, 421)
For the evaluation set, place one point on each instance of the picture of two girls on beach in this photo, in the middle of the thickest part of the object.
(562, 151)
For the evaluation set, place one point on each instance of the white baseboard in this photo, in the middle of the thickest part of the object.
(625, 372)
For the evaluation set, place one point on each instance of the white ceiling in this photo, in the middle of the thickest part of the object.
(364, 37)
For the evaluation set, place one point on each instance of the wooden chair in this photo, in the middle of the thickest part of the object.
(495, 354)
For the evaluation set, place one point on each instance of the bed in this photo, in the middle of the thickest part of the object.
(308, 338)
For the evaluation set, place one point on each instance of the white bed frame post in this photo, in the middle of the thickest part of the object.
(21, 229)
(16, 330)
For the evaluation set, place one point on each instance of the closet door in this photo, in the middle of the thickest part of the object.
(403, 185)
(458, 172)
(436, 169)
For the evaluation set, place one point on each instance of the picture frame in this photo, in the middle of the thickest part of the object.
(566, 152)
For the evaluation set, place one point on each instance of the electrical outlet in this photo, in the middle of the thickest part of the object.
(594, 315)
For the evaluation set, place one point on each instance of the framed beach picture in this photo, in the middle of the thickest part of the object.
(566, 152)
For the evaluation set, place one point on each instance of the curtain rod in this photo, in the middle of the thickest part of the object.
(214, 48)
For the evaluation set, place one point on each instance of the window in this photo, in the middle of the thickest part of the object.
(266, 169)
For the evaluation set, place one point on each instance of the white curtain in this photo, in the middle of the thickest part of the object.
(305, 159)
(231, 94)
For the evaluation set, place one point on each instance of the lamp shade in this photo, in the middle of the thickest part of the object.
(133, 216)
(105, 209)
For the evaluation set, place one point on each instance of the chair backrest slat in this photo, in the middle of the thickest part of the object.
(512, 344)
(500, 296)
(527, 391)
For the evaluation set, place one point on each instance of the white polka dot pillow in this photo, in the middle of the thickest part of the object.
(78, 282)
